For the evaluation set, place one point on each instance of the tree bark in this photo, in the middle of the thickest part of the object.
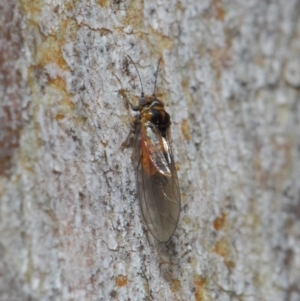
(70, 222)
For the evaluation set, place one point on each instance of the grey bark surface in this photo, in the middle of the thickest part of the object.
(70, 222)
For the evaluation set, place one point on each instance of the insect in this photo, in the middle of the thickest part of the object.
(156, 176)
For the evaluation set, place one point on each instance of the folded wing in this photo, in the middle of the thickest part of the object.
(157, 181)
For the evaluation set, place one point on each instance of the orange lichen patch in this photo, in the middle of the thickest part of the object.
(59, 116)
(221, 12)
(46, 84)
(179, 5)
(50, 51)
(81, 119)
(200, 283)
(185, 129)
(135, 14)
(121, 280)
(219, 222)
(163, 41)
(154, 38)
(32, 9)
(58, 83)
(70, 4)
(175, 285)
(223, 248)
(230, 264)
(68, 28)
(67, 102)
(104, 3)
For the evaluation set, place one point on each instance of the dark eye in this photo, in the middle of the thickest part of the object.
(156, 116)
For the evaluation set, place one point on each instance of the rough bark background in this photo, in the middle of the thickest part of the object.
(70, 223)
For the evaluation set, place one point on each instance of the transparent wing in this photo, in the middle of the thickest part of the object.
(157, 182)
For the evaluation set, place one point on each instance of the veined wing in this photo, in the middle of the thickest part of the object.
(157, 182)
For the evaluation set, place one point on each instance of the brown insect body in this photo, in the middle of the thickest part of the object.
(156, 175)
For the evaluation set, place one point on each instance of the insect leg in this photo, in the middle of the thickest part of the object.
(129, 140)
(127, 102)
(133, 107)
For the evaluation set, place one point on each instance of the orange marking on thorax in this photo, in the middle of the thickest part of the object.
(147, 116)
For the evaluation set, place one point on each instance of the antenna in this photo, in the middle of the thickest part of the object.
(138, 75)
(156, 76)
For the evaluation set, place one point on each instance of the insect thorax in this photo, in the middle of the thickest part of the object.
(156, 114)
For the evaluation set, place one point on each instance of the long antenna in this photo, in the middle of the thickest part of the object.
(156, 76)
(137, 71)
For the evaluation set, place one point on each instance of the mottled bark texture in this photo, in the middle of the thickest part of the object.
(70, 222)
